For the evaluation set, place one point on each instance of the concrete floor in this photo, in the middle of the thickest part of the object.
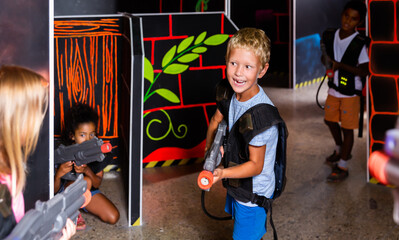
(310, 208)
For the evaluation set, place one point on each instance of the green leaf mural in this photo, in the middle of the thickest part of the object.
(200, 50)
(189, 57)
(184, 44)
(200, 38)
(168, 56)
(175, 68)
(216, 39)
(187, 52)
(168, 95)
(148, 70)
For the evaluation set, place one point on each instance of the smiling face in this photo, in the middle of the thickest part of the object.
(350, 20)
(243, 71)
(84, 132)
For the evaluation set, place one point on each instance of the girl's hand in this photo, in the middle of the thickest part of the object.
(81, 169)
(69, 230)
(65, 168)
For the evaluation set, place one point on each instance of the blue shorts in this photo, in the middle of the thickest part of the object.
(249, 222)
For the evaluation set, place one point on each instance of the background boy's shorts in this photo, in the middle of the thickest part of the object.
(249, 222)
(344, 110)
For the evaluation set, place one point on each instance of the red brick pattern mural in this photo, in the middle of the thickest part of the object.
(384, 62)
(383, 80)
(174, 6)
(179, 98)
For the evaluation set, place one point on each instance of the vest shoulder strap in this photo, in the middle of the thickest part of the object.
(328, 39)
(263, 116)
(224, 92)
(352, 53)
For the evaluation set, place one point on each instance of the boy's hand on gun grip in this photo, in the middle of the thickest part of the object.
(336, 65)
(217, 174)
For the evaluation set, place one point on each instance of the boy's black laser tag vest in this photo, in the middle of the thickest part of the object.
(254, 121)
(346, 80)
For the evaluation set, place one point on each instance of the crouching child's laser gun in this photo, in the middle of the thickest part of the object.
(48, 219)
(384, 166)
(212, 157)
(83, 153)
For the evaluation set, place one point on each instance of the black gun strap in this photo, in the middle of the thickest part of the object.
(360, 130)
(266, 203)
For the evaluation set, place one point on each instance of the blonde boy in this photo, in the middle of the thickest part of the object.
(248, 165)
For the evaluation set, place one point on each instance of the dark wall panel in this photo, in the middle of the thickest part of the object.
(273, 18)
(383, 82)
(85, 7)
(24, 41)
(312, 17)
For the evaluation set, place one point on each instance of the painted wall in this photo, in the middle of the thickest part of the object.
(93, 65)
(86, 69)
(383, 81)
(171, 6)
(185, 60)
(96, 7)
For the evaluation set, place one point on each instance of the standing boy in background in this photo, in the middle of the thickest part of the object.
(248, 163)
(346, 49)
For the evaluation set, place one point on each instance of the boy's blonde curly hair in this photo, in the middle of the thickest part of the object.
(252, 39)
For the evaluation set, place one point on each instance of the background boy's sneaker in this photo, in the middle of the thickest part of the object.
(337, 174)
(333, 158)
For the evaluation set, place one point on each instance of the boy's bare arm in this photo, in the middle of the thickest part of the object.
(362, 70)
(213, 125)
(248, 169)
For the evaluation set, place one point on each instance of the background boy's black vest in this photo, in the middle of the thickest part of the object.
(346, 80)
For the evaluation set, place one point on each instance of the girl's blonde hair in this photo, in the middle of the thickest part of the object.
(251, 39)
(23, 104)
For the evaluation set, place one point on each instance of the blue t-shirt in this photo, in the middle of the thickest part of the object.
(264, 183)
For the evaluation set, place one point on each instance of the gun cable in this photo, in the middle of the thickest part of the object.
(207, 213)
(317, 93)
